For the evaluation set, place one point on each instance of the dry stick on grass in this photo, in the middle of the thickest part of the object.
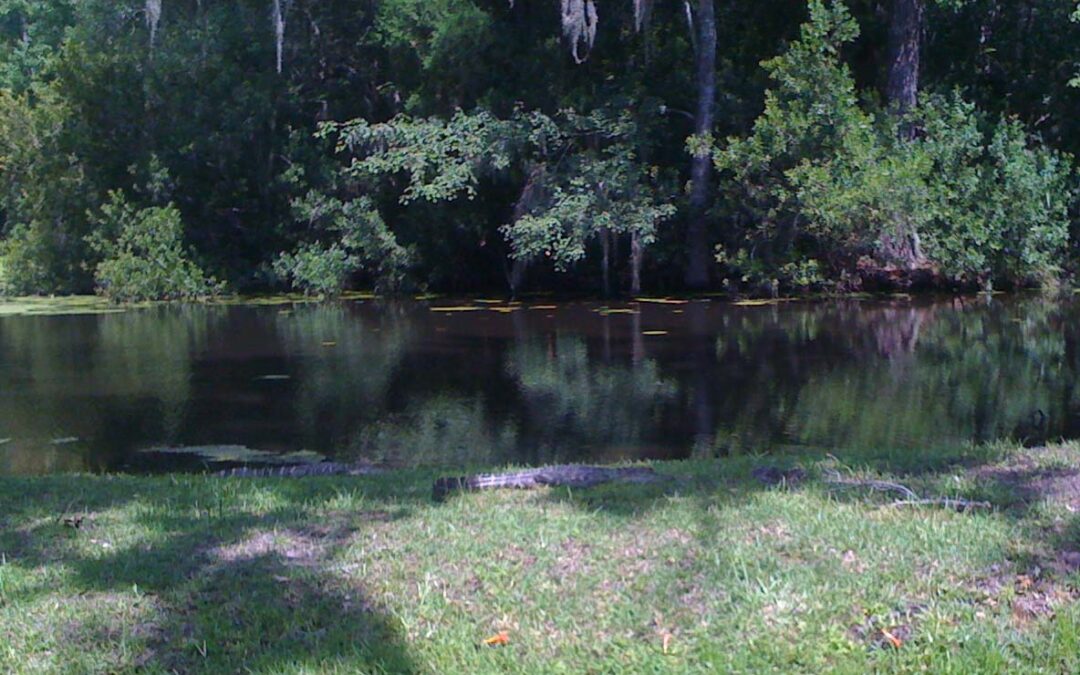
(834, 478)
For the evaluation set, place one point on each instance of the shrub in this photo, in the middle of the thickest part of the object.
(822, 178)
(144, 258)
(351, 237)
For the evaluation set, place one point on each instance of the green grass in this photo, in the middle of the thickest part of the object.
(716, 573)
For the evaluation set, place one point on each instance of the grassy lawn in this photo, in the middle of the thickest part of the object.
(713, 573)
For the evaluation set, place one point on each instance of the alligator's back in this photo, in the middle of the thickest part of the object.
(300, 470)
(568, 475)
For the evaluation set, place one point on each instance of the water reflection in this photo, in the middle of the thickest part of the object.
(570, 400)
(345, 363)
(80, 393)
(402, 383)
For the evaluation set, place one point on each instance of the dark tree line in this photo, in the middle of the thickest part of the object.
(181, 148)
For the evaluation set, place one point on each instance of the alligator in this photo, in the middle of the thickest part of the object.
(566, 475)
(301, 470)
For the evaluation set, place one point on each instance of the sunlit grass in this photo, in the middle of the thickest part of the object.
(715, 572)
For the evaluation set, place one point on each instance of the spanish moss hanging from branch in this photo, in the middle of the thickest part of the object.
(579, 21)
(280, 9)
(642, 11)
(153, 17)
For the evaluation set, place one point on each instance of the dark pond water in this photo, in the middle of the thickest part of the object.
(404, 383)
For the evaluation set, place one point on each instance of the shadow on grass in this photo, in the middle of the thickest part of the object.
(237, 575)
(200, 583)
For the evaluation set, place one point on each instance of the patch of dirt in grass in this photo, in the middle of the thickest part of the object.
(1029, 476)
(290, 545)
(574, 557)
(890, 631)
(305, 545)
(774, 531)
(516, 556)
(1029, 596)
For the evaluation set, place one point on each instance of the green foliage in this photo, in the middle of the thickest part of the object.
(442, 38)
(822, 178)
(1075, 17)
(584, 175)
(600, 187)
(354, 238)
(316, 269)
(30, 35)
(443, 159)
(145, 259)
(811, 134)
(43, 196)
(997, 204)
(461, 113)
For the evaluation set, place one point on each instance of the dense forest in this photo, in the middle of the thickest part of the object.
(185, 148)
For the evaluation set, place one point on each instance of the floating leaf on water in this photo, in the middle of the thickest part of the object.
(654, 332)
(4, 441)
(329, 343)
(358, 295)
(65, 440)
(662, 301)
(458, 308)
(605, 311)
(276, 377)
(754, 303)
(488, 301)
(504, 310)
(550, 307)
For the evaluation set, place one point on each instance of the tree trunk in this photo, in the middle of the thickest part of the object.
(516, 278)
(905, 37)
(697, 271)
(637, 253)
(902, 246)
(605, 244)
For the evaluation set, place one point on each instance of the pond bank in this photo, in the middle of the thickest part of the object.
(722, 572)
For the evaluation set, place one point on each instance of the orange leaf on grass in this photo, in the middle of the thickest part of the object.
(893, 640)
(500, 638)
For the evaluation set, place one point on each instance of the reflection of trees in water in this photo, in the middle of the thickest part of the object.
(880, 377)
(347, 366)
(570, 399)
(148, 354)
(440, 430)
(860, 375)
(71, 374)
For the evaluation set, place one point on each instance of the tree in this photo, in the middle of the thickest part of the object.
(905, 44)
(697, 269)
(579, 22)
